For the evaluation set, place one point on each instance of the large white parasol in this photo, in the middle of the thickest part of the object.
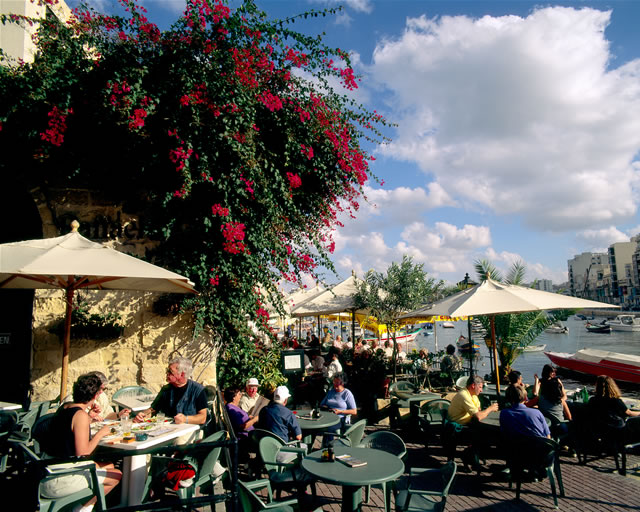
(72, 262)
(491, 298)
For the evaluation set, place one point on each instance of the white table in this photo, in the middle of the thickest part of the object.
(134, 468)
(136, 403)
(8, 406)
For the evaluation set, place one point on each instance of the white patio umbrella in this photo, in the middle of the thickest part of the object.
(72, 262)
(491, 298)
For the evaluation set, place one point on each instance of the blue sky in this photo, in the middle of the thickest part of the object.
(518, 128)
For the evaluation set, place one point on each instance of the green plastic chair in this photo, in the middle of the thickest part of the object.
(353, 435)
(424, 486)
(252, 502)
(534, 455)
(402, 389)
(390, 443)
(431, 418)
(43, 472)
(130, 391)
(206, 476)
(284, 475)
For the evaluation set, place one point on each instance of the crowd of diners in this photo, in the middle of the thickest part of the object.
(543, 413)
(186, 401)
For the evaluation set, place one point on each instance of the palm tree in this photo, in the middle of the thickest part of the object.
(514, 332)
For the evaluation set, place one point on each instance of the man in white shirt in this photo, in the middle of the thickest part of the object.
(251, 402)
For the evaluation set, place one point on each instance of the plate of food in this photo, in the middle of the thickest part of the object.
(143, 427)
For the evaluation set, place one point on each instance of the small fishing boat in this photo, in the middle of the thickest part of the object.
(623, 367)
(625, 323)
(598, 328)
(557, 328)
(447, 325)
(534, 348)
(465, 346)
(402, 337)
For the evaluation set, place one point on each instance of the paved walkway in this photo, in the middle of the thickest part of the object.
(594, 487)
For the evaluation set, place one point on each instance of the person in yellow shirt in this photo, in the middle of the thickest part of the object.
(465, 405)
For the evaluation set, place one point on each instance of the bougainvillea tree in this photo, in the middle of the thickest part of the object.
(224, 127)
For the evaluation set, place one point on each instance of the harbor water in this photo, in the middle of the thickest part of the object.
(530, 363)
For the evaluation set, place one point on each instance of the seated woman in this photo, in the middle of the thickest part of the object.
(71, 428)
(552, 400)
(241, 422)
(341, 402)
(608, 409)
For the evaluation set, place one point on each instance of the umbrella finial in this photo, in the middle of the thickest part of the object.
(74, 226)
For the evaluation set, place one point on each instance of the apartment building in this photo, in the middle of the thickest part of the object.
(17, 41)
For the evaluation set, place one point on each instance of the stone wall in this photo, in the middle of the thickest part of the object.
(140, 355)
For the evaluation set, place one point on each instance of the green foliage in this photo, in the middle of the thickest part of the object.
(222, 132)
(404, 287)
(86, 325)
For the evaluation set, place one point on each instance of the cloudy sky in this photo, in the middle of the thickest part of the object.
(518, 130)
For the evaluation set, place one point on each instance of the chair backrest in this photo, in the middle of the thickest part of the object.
(355, 432)
(402, 389)
(435, 410)
(531, 452)
(36, 410)
(448, 474)
(44, 442)
(249, 500)
(386, 442)
(268, 448)
(209, 462)
(131, 391)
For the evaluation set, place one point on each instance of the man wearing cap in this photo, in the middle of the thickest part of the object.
(251, 401)
(276, 418)
(466, 404)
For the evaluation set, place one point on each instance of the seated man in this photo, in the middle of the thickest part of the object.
(251, 401)
(276, 418)
(520, 420)
(465, 405)
(181, 399)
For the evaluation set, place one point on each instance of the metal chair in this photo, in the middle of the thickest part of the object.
(423, 486)
(390, 443)
(284, 475)
(534, 457)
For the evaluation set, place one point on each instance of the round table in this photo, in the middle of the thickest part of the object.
(311, 427)
(381, 467)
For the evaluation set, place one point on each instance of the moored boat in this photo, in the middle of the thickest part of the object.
(401, 337)
(598, 328)
(534, 348)
(623, 367)
(448, 325)
(557, 328)
(625, 323)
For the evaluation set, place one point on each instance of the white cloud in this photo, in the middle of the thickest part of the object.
(518, 115)
(503, 260)
(365, 6)
(602, 237)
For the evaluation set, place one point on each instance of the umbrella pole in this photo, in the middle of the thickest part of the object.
(353, 327)
(471, 354)
(495, 353)
(435, 335)
(66, 342)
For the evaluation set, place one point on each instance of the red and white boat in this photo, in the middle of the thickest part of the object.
(623, 367)
(401, 337)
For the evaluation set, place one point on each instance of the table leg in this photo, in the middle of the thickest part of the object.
(351, 498)
(134, 476)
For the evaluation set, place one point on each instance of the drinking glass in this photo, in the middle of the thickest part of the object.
(125, 425)
(160, 417)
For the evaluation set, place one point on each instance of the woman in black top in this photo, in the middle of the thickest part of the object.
(70, 428)
(607, 408)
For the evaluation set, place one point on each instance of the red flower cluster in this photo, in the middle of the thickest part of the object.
(306, 263)
(136, 121)
(217, 209)
(233, 232)
(349, 78)
(57, 126)
(271, 101)
(298, 59)
(179, 157)
(294, 180)
(248, 184)
(307, 151)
